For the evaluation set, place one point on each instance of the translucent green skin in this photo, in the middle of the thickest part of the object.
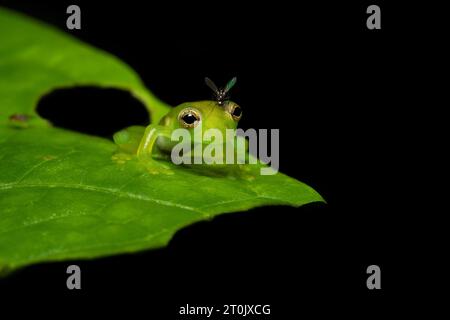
(156, 139)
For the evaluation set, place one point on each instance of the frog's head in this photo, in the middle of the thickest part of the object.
(207, 114)
(220, 114)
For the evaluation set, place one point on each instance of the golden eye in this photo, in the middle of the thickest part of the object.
(234, 110)
(189, 117)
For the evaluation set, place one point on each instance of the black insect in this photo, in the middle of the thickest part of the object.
(222, 94)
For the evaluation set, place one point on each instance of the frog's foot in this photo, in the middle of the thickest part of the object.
(120, 157)
(248, 176)
(158, 167)
(245, 172)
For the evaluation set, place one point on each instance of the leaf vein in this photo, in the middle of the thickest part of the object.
(115, 192)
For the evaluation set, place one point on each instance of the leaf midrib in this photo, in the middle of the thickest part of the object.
(112, 191)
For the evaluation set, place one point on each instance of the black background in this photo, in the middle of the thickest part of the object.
(338, 93)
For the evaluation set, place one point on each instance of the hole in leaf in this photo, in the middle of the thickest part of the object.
(92, 110)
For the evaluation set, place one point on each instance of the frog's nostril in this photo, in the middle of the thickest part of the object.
(92, 110)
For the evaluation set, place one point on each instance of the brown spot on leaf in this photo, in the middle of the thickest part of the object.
(19, 117)
(49, 157)
(19, 120)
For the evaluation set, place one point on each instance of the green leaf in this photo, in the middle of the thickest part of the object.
(64, 195)
(36, 58)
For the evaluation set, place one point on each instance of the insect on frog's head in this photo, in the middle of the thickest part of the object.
(220, 114)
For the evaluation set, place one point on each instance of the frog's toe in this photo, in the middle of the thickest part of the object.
(156, 167)
(246, 176)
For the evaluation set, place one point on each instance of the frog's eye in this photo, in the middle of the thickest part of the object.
(234, 110)
(189, 118)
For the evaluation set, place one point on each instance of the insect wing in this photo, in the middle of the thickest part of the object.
(230, 84)
(212, 85)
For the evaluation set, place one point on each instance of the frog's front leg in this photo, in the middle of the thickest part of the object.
(148, 147)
